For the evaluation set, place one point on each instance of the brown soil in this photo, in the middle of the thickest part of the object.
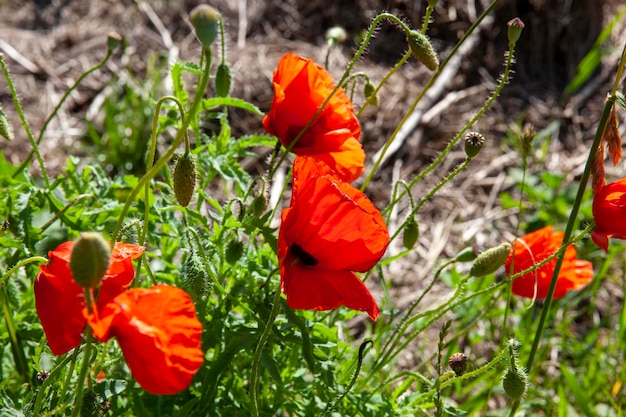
(48, 44)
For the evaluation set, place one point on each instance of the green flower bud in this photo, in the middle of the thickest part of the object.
(259, 204)
(474, 141)
(369, 93)
(490, 260)
(195, 279)
(113, 40)
(5, 127)
(458, 363)
(422, 49)
(185, 178)
(223, 80)
(336, 35)
(466, 255)
(515, 383)
(234, 251)
(411, 234)
(515, 29)
(90, 259)
(205, 20)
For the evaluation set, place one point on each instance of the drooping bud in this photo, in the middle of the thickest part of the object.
(515, 29)
(369, 91)
(422, 49)
(223, 80)
(490, 260)
(466, 255)
(411, 233)
(5, 128)
(205, 20)
(234, 251)
(90, 259)
(458, 363)
(474, 141)
(185, 178)
(515, 383)
(195, 279)
(113, 40)
(259, 204)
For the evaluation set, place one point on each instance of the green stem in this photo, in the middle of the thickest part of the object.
(51, 378)
(571, 222)
(16, 346)
(20, 264)
(31, 138)
(160, 163)
(254, 374)
(80, 382)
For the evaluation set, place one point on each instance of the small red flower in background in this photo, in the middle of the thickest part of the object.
(534, 248)
(300, 88)
(60, 301)
(158, 333)
(330, 230)
(609, 213)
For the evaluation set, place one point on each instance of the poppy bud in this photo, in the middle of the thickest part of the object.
(490, 260)
(259, 204)
(195, 278)
(466, 255)
(113, 40)
(458, 363)
(515, 29)
(234, 251)
(205, 20)
(5, 128)
(336, 35)
(515, 383)
(422, 49)
(185, 177)
(90, 406)
(474, 141)
(411, 233)
(223, 80)
(90, 259)
(369, 93)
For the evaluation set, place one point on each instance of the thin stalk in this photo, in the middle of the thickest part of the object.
(51, 378)
(29, 134)
(20, 264)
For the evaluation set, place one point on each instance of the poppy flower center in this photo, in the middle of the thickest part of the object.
(304, 257)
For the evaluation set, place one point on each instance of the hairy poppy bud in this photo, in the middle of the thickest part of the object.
(205, 20)
(422, 49)
(259, 204)
(234, 251)
(113, 40)
(411, 233)
(90, 259)
(369, 91)
(185, 177)
(223, 80)
(515, 29)
(5, 128)
(458, 363)
(515, 383)
(474, 141)
(466, 255)
(195, 279)
(490, 260)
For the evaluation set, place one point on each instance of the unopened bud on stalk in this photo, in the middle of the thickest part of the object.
(113, 40)
(185, 178)
(422, 49)
(474, 141)
(369, 91)
(234, 251)
(515, 29)
(458, 363)
(490, 260)
(515, 383)
(223, 80)
(90, 259)
(411, 233)
(466, 255)
(336, 35)
(195, 279)
(205, 20)
(5, 128)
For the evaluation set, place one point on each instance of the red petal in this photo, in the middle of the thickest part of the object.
(316, 289)
(158, 333)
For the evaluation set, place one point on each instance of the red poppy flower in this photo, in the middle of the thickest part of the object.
(60, 301)
(330, 230)
(158, 333)
(609, 213)
(534, 248)
(300, 88)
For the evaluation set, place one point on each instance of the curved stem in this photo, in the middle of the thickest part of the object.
(20, 264)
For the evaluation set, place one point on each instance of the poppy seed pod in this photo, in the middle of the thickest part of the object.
(515, 29)
(205, 20)
(185, 177)
(490, 260)
(113, 40)
(90, 259)
(474, 141)
(458, 363)
(422, 49)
